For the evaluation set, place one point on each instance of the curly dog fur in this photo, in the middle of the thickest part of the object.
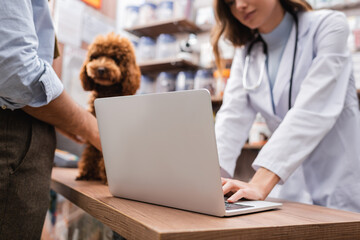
(109, 70)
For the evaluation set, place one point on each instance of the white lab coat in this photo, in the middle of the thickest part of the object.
(315, 146)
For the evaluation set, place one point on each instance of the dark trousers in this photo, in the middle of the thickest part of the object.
(26, 157)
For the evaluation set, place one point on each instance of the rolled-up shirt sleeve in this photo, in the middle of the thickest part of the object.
(26, 75)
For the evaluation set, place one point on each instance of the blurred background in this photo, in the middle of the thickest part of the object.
(172, 43)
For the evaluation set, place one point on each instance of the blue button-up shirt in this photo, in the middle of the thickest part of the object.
(26, 51)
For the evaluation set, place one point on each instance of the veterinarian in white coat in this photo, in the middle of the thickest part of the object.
(314, 152)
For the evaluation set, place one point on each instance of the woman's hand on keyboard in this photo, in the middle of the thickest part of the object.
(258, 188)
(238, 189)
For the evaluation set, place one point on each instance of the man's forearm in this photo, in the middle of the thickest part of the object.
(66, 115)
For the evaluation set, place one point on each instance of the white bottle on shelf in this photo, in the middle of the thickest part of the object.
(259, 131)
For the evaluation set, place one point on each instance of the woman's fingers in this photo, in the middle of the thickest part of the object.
(224, 180)
(230, 185)
(237, 196)
(239, 189)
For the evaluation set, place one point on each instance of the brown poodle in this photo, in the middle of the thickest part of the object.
(109, 70)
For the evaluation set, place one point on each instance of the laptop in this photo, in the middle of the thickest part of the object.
(161, 149)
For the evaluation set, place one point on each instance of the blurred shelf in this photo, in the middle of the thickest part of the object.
(216, 100)
(253, 146)
(344, 6)
(216, 103)
(171, 64)
(178, 25)
(348, 8)
(227, 62)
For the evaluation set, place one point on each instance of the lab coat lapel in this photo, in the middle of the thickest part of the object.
(260, 98)
(284, 72)
(281, 85)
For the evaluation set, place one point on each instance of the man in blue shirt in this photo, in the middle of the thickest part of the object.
(32, 102)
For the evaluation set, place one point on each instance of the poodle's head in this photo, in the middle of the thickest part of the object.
(111, 66)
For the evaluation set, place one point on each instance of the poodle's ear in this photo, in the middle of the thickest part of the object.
(133, 75)
(87, 83)
(132, 80)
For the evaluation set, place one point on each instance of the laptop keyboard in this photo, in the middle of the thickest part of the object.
(233, 206)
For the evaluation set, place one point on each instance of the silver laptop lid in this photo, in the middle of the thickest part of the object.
(161, 148)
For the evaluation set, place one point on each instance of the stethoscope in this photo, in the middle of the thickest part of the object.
(247, 61)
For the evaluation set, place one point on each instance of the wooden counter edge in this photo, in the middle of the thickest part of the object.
(117, 221)
(335, 231)
(131, 229)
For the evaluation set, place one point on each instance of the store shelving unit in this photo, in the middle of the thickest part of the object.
(177, 25)
(172, 26)
(217, 99)
(253, 146)
(227, 62)
(347, 8)
(173, 64)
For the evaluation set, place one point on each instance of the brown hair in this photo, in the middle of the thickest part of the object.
(235, 32)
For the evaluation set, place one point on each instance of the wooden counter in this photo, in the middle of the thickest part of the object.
(136, 220)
